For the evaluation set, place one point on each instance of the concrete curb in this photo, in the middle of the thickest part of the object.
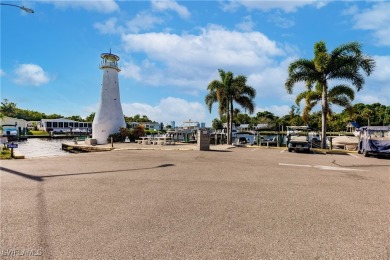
(18, 155)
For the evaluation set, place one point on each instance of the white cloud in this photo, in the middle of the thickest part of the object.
(30, 74)
(2, 73)
(103, 6)
(169, 109)
(163, 5)
(142, 21)
(191, 60)
(108, 27)
(131, 70)
(382, 70)
(377, 85)
(246, 25)
(375, 19)
(279, 20)
(267, 5)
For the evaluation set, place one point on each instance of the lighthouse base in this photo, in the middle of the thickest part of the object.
(90, 141)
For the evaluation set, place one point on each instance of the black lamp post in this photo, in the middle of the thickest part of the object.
(28, 10)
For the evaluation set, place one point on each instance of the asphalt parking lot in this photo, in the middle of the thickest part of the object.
(241, 203)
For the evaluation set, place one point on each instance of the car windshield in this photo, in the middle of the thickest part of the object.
(379, 134)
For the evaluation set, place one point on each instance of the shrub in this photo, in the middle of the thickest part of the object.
(5, 153)
(132, 134)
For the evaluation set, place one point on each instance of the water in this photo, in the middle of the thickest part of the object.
(42, 147)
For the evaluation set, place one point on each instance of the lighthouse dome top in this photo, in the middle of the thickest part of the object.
(109, 56)
(109, 60)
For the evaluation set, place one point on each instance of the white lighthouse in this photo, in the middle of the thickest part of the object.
(109, 117)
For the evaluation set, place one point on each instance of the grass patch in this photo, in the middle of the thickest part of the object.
(38, 133)
(5, 154)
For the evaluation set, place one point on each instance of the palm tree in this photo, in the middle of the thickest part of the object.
(218, 92)
(343, 63)
(341, 95)
(243, 95)
(227, 91)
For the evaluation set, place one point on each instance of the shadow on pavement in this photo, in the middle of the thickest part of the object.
(41, 178)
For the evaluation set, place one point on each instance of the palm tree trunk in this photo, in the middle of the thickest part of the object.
(231, 121)
(228, 128)
(324, 120)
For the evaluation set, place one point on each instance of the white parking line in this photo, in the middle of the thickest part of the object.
(295, 165)
(353, 155)
(321, 167)
(331, 168)
(282, 151)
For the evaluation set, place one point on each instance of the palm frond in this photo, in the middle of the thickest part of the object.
(341, 90)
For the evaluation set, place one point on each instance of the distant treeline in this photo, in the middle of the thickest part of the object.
(363, 114)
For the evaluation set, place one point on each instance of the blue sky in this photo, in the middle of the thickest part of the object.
(171, 50)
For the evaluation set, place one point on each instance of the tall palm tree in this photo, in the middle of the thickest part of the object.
(344, 63)
(219, 92)
(226, 91)
(243, 95)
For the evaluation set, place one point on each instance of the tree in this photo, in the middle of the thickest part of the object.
(367, 113)
(242, 119)
(75, 118)
(137, 118)
(8, 108)
(243, 95)
(219, 92)
(216, 124)
(341, 95)
(267, 118)
(226, 91)
(294, 117)
(343, 63)
(90, 117)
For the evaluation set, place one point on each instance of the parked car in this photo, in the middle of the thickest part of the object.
(374, 140)
(298, 139)
(269, 140)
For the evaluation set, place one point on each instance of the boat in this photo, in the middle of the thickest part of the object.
(244, 138)
(11, 133)
(345, 142)
(185, 133)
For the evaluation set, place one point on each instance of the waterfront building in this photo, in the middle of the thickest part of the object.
(63, 125)
(109, 117)
(146, 125)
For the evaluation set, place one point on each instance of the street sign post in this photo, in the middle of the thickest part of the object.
(12, 146)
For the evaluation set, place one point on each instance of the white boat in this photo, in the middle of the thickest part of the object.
(345, 142)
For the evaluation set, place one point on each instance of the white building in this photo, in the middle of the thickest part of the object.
(146, 125)
(64, 125)
(109, 118)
